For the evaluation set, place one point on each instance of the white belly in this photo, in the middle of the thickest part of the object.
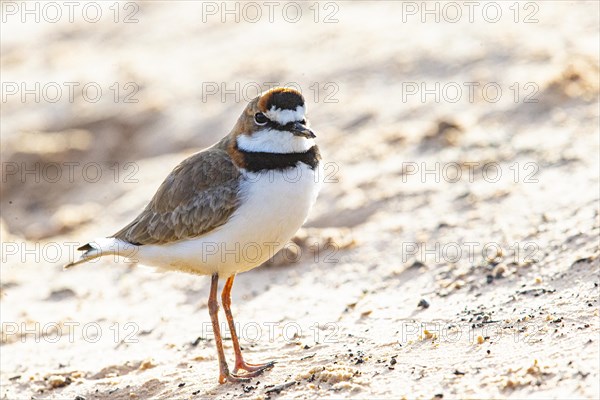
(273, 206)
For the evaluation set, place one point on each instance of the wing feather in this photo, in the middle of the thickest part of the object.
(199, 195)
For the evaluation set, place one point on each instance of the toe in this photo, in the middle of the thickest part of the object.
(235, 378)
(255, 369)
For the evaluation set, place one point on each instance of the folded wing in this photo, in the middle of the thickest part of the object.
(199, 195)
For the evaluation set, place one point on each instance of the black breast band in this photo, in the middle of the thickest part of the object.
(260, 161)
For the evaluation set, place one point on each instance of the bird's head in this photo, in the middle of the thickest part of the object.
(275, 122)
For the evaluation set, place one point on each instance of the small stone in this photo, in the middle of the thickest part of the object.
(57, 381)
(423, 304)
(147, 364)
(499, 271)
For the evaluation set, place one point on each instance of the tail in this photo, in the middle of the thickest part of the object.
(103, 247)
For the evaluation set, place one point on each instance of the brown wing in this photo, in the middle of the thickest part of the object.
(199, 195)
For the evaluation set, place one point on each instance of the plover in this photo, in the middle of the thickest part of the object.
(229, 208)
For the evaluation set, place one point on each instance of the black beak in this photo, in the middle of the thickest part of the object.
(300, 129)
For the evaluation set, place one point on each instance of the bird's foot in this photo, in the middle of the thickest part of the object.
(252, 370)
(234, 378)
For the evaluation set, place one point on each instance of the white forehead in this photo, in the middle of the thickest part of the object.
(285, 116)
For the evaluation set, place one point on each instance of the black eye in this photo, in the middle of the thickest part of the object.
(260, 119)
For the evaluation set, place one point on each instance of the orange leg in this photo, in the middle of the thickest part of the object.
(213, 309)
(252, 369)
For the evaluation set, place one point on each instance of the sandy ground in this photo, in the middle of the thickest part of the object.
(453, 251)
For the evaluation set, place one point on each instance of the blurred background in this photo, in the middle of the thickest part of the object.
(461, 143)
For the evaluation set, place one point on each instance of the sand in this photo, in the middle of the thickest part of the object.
(452, 253)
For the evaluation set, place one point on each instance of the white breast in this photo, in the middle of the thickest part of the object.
(274, 204)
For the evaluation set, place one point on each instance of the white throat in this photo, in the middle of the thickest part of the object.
(274, 141)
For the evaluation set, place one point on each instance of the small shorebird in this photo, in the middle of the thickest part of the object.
(229, 208)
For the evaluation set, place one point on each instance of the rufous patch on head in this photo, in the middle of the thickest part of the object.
(280, 98)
